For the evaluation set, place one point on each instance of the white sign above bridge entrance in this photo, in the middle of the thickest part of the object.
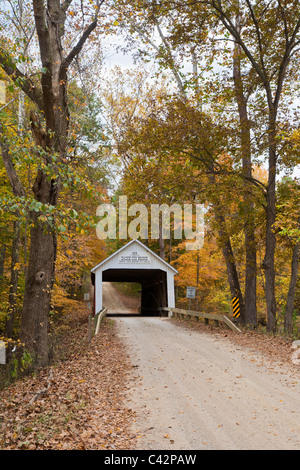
(145, 263)
(136, 258)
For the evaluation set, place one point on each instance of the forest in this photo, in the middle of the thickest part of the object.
(163, 102)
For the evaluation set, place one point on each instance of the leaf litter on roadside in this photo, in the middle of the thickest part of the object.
(78, 403)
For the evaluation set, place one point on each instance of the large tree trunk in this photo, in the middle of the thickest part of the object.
(249, 231)
(225, 243)
(37, 296)
(233, 278)
(251, 275)
(50, 98)
(40, 275)
(52, 139)
(269, 259)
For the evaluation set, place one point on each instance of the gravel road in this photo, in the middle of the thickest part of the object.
(194, 391)
(116, 302)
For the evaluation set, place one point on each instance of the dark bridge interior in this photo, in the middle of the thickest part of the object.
(154, 286)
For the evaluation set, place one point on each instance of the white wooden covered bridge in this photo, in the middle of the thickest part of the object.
(135, 262)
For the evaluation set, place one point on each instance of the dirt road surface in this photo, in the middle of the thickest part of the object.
(193, 390)
(116, 302)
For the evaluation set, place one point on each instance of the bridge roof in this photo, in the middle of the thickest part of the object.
(134, 255)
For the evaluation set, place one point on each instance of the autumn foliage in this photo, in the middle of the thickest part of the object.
(207, 114)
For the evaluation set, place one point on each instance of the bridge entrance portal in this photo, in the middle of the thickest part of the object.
(137, 263)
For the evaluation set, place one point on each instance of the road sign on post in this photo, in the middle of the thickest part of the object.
(236, 312)
(190, 294)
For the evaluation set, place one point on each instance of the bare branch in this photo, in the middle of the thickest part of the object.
(229, 25)
(29, 88)
(78, 47)
(42, 31)
(170, 58)
(285, 62)
(258, 33)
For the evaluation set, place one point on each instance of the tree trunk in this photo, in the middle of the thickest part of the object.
(232, 273)
(224, 239)
(37, 295)
(269, 260)
(251, 275)
(249, 231)
(288, 319)
(50, 97)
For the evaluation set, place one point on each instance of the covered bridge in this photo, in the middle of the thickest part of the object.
(135, 262)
